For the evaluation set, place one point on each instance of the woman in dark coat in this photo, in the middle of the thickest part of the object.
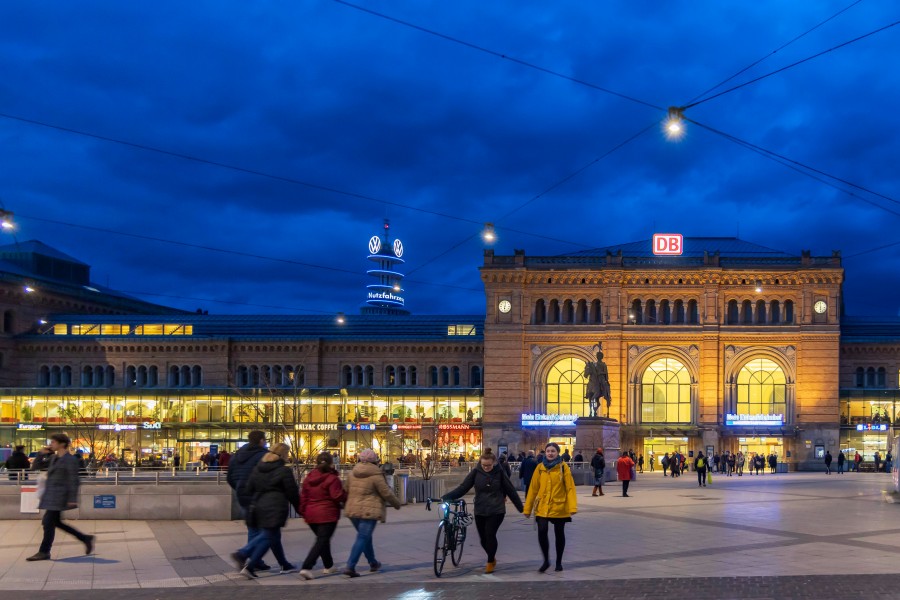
(321, 499)
(272, 488)
(492, 488)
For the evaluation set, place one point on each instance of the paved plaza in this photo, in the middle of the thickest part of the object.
(800, 535)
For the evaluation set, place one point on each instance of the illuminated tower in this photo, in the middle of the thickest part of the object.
(384, 297)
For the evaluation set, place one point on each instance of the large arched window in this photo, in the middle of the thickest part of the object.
(666, 392)
(566, 387)
(761, 388)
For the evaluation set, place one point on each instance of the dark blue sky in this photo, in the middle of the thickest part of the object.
(323, 93)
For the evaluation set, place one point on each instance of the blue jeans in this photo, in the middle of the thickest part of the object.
(265, 539)
(252, 532)
(363, 544)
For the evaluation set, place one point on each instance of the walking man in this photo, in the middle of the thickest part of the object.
(841, 458)
(60, 494)
(700, 465)
(526, 469)
(239, 470)
(598, 464)
(828, 462)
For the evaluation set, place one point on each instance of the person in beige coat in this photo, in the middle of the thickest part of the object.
(367, 491)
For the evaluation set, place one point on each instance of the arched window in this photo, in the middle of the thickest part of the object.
(568, 312)
(666, 392)
(665, 312)
(733, 318)
(266, 374)
(139, 377)
(55, 378)
(413, 376)
(788, 312)
(636, 316)
(455, 378)
(860, 377)
(401, 376)
(747, 312)
(110, 376)
(553, 312)
(433, 376)
(290, 376)
(98, 380)
(370, 376)
(870, 377)
(678, 313)
(131, 376)
(278, 376)
(242, 377)
(87, 377)
(196, 376)
(390, 376)
(346, 376)
(775, 312)
(254, 376)
(581, 312)
(566, 387)
(596, 312)
(173, 377)
(693, 315)
(358, 376)
(184, 379)
(761, 312)
(300, 376)
(445, 376)
(8, 321)
(651, 313)
(880, 377)
(475, 376)
(153, 376)
(44, 376)
(540, 313)
(761, 388)
(66, 376)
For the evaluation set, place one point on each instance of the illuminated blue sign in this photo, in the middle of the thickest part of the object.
(540, 420)
(880, 427)
(360, 426)
(754, 420)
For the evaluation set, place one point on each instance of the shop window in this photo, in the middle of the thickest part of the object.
(666, 392)
(566, 388)
(761, 388)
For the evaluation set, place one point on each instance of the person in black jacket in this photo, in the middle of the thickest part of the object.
(526, 469)
(271, 488)
(492, 488)
(18, 461)
(239, 469)
(598, 464)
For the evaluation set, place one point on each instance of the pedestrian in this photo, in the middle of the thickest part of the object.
(640, 463)
(665, 464)
(840, 460)
(700, 466)
(42, 460)
(224, 459)
(367, 491)
(241, 466)
(526, 469)
(272, 489)
(176, 460)
(828, 462)
(716, 461)
(674, 464)
(321, 499)
(504, 464)
(492, 488)
(739, 460)
(877, 461)
(889, 462)
(652, 460)
(566, 457)
(579, 458)
(856, 461)
(17, 464)
(552, 500)
(773, 462)
(624, 467)
(760, 463)
(60, 494)
(598, 464)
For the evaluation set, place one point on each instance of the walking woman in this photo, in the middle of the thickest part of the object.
(367, 491)
(272, 488)
(551, 498)
(492, 488)
(321, 499)
(624, 467)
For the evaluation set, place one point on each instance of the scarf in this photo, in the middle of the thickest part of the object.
(549, 464)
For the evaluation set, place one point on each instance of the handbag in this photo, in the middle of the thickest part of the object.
(709, 477)
(633, 473)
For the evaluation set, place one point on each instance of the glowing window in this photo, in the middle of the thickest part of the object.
(60, 329)
(761, 388)
(666, 393)
(460, 330)
(566, 387)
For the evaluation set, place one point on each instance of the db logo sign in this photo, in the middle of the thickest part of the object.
(668, 244)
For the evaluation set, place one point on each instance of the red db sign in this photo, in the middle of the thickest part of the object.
(668, 244)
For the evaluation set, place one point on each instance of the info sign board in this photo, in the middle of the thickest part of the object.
(105, 501)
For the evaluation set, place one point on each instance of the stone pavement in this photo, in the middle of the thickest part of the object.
(799, 535)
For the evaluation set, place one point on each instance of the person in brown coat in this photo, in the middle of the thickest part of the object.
(367, 491)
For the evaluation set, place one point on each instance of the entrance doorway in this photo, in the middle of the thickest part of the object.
(565, 443)
(658, 446)
(751, 446)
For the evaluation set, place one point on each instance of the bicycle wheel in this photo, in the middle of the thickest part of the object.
(441, 547)
(456, 554)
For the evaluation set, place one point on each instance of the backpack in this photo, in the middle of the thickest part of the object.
(700, 463)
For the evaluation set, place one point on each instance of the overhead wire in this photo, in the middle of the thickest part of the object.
(309, 310)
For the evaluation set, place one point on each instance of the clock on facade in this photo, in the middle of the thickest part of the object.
(820, 307)
(505, 306)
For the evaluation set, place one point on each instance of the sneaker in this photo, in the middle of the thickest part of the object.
(239, 560)
(374, 567)
(351, 573)
(329, 571)
(249, 573)
(38, 556)
(307, 574)
(89, 544)
(261, 566)
(287, 568)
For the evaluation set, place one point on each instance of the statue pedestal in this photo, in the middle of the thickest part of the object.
(599, 432)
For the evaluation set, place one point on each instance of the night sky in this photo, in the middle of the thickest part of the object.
(323, 93)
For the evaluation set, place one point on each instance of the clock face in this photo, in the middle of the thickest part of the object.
(505, 306)
(820, 307)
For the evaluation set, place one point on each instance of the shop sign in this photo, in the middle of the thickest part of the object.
(360, 426)
(117, 427)
(315, 427)
(756, 420)
(30, 427)
(152, 425)
(541, 420)
(404, 426)
(879, 427)
(453, 427)
(668, 244)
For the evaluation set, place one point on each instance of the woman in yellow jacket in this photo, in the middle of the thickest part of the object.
(551, 496)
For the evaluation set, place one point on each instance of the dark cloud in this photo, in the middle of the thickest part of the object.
(322, 93)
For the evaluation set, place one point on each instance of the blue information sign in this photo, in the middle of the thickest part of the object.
(104, 501)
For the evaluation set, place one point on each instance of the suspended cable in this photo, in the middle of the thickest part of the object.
(790, 66)
(496, 54)
(309, 310)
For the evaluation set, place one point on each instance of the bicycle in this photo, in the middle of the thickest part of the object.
(451, 533)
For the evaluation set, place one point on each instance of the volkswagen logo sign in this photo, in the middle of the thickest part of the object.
(374, 245)
(398, 248)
